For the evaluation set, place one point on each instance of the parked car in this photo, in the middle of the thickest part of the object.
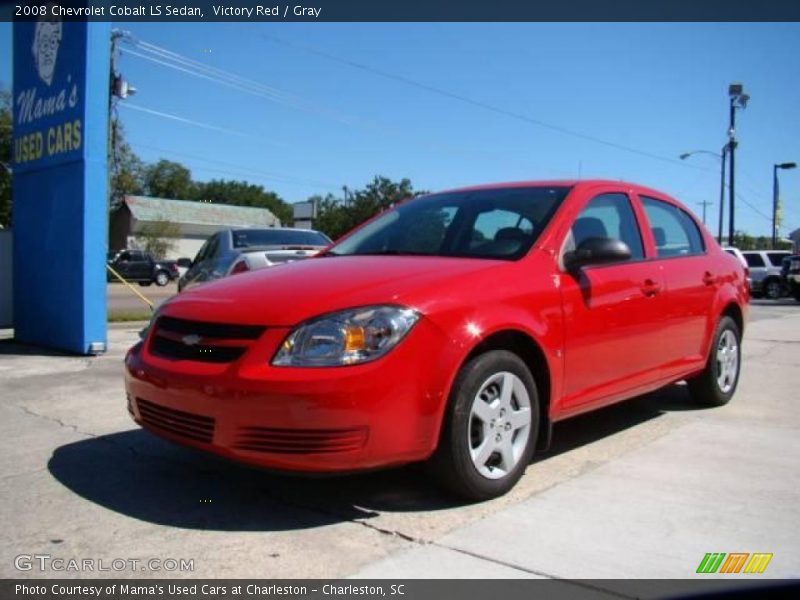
(740, 257)
(232, 251)
(141, 267)
(455, 328)
(765, 272)
(790, 272)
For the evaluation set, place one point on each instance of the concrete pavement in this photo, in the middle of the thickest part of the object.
(641, 489)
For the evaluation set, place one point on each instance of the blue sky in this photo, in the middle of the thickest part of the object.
(657, 88)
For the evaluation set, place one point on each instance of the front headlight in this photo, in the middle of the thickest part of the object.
(345, 338)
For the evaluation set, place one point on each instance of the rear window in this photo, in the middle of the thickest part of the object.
(754, 260)
(675, 233)
(776, 258)
(246, 238)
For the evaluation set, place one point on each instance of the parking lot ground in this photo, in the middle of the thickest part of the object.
(642, 489)
(123, 304)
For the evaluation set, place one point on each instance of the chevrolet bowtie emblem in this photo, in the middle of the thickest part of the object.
(191, 340)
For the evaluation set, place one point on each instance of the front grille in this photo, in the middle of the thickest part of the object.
(189, 425)
(181, 339)
(300, 441)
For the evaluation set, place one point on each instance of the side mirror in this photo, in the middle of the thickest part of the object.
(597, 251)
(184, 262)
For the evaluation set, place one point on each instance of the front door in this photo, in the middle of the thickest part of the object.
(611, 312)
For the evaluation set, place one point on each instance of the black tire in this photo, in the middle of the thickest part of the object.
(706, 388)
(162, 278)
(452, 463)
(773, 288)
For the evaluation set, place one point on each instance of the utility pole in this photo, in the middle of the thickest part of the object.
(738, 99)
(776, 198)
(119, 90)
(723, 156)
(704, 204)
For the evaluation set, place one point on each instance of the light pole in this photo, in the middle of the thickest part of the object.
(738, 99)
(721, 157)
(787, 165)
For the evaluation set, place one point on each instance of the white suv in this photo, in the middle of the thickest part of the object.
(765, 272)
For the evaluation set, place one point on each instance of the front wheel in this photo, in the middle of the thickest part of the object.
(717, 383)
(162, 278)
(490, 428)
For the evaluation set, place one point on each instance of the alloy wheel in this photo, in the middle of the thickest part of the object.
(499, 425)
(727, 361)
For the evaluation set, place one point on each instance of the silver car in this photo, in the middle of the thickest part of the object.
(765, 272)
(232, 251)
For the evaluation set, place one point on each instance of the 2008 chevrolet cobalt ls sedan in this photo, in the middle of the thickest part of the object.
(456, 327)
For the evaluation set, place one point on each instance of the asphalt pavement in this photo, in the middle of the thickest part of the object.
(121, 299)
(643, 489)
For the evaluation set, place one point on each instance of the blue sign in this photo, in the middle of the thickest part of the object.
(61, 86)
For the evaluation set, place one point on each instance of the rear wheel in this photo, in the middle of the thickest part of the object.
(773, 288)
(490, 428)
(717, 383)
(162, 278)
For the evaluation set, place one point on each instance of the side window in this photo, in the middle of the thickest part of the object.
(499, 224)
(124, 255)
(675, 233)
(754, 260)
(776, 258)
(610, 216)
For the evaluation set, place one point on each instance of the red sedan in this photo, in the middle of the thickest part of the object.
(455, 328)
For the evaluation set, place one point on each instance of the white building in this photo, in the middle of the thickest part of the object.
(196, 221)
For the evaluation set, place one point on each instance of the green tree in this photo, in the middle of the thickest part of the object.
(241, 193)
(158, 238)
(169, 179)
(127, 171)
(336, 217)
(5, 157)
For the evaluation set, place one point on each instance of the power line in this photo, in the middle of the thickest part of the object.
(754, 209)
(167, 58)
(232, 168)
(172, 117)
(477, 103)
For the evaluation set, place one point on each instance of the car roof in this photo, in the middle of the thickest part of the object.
(573, 183)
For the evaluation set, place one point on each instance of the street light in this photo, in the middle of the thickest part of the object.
(721, 157)
(787, 165)
(738, 99)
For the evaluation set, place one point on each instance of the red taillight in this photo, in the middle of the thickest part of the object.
(240, 267)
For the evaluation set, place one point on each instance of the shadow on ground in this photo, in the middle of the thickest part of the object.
(12, 347)
(144, 477)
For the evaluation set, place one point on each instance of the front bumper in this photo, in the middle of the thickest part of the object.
(301, 419)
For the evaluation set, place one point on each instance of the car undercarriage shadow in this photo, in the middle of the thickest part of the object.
(596, 425)
(137, 474)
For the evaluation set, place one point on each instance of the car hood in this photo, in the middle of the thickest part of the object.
(288, 294)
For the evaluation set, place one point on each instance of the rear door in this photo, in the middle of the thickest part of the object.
(691, 281)
(612, 312)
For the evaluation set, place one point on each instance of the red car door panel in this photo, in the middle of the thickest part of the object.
(610, 316)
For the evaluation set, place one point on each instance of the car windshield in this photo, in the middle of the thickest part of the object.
(500, 223)
(245, 238)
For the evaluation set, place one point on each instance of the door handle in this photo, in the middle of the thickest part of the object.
(650, 288)
(709, 278)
